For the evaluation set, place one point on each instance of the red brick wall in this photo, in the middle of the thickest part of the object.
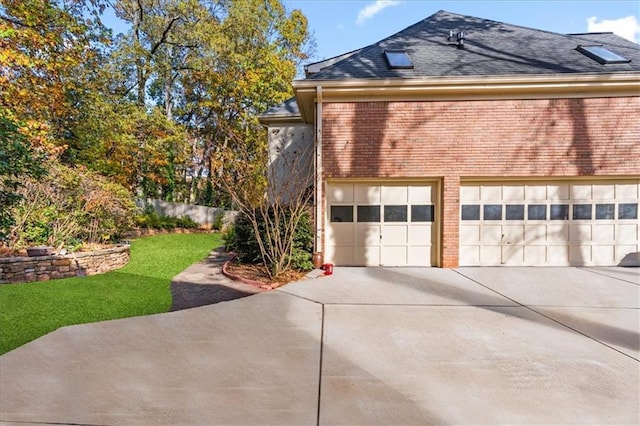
(501, 138)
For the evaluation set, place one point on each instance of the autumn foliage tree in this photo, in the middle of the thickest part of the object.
(211, 66)
(159, 109)
(44, 47)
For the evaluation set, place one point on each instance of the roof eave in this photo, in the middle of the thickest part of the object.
(267, 119)
(466, 88)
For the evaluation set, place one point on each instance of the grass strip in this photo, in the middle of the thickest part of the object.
(142, 287)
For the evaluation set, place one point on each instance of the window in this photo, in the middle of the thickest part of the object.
(368, 213)
(341, 214)
(605, 211)
(537, 212)
(515, 212)
(492, 212)
(559, 212)
(471, 212)
(581, 211)
(395, 213)
(422, 213)
(398, 59)
(602, 55)
(628, 211)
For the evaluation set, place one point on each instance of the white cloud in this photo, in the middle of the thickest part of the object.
(627, 27)
(374, 8)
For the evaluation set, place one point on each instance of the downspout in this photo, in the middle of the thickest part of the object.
(319, 217)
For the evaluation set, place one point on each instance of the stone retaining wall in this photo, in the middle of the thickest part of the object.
(43, 268)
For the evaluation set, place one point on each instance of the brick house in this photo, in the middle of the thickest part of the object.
(462, 141)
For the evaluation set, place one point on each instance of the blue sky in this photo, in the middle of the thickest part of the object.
(342, 26)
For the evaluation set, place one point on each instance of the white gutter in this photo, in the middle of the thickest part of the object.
(509, 81)
(319, 217)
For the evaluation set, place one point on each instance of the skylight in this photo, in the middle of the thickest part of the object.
(602, 55)
(398, 59)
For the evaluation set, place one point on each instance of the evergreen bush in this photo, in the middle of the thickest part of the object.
(242, 240)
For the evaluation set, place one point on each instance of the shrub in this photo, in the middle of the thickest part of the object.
(229, 237)
(71, 205)
(152, 220)
(243, 241)
(218, 221)
(17, 161)
(186, 222)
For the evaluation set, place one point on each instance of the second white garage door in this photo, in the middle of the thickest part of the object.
(380, 224)
(550, 223)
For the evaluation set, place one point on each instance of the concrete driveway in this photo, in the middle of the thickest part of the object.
(364, 346)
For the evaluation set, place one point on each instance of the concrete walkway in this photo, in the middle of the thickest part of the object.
(364, 346)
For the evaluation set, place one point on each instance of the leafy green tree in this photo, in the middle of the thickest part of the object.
(18, 160)
(212, 66)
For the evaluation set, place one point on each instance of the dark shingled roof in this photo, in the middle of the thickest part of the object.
(288, 108)
(491, 48)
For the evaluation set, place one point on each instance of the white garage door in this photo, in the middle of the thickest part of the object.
(561, 223)
(380, 224)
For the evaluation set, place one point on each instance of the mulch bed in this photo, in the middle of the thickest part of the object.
(259, 274)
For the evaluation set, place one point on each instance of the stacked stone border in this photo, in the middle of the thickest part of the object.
(44, 268)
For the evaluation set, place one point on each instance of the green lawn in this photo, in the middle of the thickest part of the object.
(142, 287)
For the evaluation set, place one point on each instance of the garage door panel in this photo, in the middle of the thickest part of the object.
(535, 234)
(535, 255)
(491, 255)
(579, 233)
(470, 255)
(603, 254)
(513, 234)
(558, 255)
(421, 194)
(580, 255)
(558, 233)
(367, 235)
(604, 233)
(367, 256)
(535, 192)
(341, 234)
(627, 233)
(581, 192)
(603, 192)
(394, 194)
(513, 193)
(420, 235)
(340, 255)
(367, 194)
(512, 255)
(627, 191)
(340, 193)
(394, 256)
(469, 193)
(420, 256)
(470, 233)
(394, 235)
(491, 234)
(491, 192)
(558, 192)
